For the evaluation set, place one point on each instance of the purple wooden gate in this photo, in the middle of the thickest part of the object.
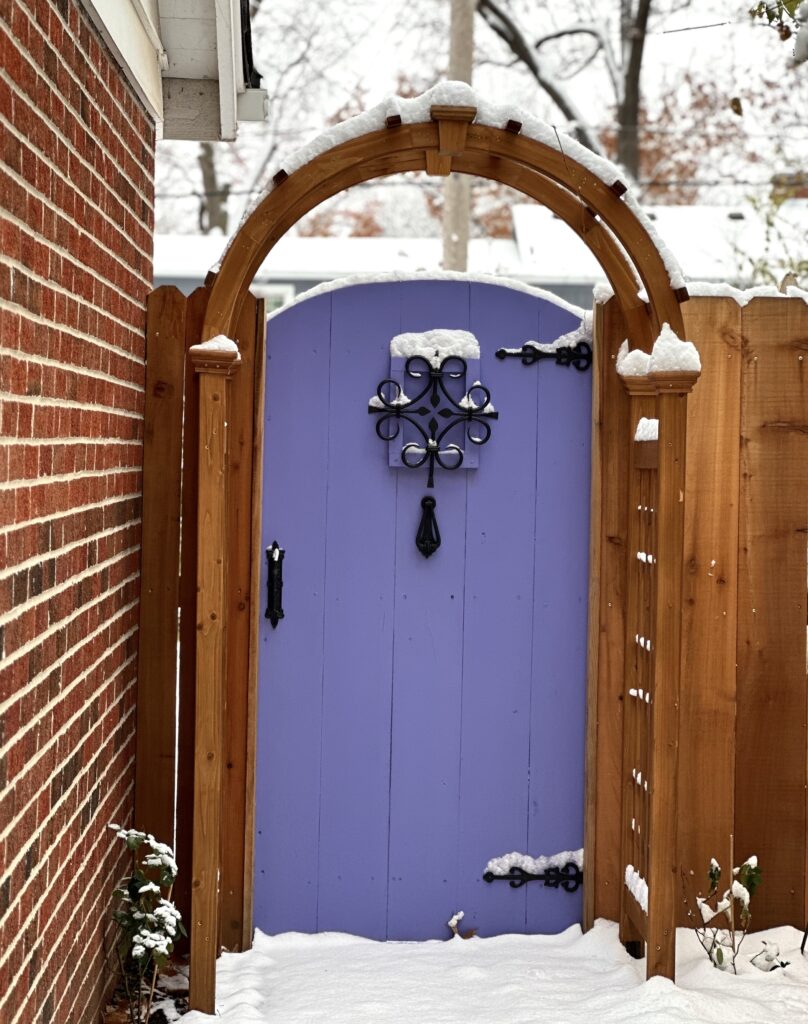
(418, 717)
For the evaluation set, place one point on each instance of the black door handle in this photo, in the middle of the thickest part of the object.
(275, 556)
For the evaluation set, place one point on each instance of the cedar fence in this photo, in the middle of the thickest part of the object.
(711, 709)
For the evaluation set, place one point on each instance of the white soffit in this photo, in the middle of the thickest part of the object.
(130, 28)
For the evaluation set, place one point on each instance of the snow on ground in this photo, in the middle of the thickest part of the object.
(511, 979)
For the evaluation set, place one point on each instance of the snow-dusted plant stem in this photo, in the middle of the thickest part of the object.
(721, 943)
(147, 920)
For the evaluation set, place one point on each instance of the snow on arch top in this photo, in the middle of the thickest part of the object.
(416, 110)
(386, 277)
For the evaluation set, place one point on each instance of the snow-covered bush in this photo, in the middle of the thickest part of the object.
(721, 923)
(148, 922)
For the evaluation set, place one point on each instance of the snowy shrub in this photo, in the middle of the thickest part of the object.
(147, 921)
(721, 923)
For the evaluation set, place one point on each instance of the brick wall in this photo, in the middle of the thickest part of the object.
(76, 191)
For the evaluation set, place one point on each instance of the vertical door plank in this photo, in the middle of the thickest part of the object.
(239, 615)
(706, 789)
(770, 776)
(358, 641)
(611, 421)
(561, 579)
(291, 656)
(195, 315)
(157, 660)
(427, 680)
(498, 618)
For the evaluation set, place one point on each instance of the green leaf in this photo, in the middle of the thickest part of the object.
(719, 956)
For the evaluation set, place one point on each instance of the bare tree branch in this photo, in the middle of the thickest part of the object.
(502, 24)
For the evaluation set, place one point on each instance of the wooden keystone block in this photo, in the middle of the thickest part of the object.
(453, 123)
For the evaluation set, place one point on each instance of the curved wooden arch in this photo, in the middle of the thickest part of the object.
(594, 210)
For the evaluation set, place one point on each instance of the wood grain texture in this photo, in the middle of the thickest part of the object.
(210, 681)
(385, 152)
(255, 601)
(240, 613)
(157, 665)
(706, 791)
(194, 317)
(611, 426)
(770, 778)
(663, 869)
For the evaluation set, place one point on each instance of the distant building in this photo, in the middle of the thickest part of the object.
(712, 243)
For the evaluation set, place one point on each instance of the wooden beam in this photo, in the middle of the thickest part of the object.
(607, 570)
(240, 614)
(214, 368)
(255, 620)
(387, 152)
(663, 862)
(157, 660)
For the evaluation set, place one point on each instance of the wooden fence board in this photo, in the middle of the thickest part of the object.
(706, 791)
(240, 614)
(194, 318)
(771, 735)
(157, 665)
(610, 432)
(255, 618)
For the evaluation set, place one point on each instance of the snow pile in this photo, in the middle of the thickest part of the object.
(637, 886)
(388, 277)
(647, 430)
(510, 979)
(435, 345)
(672, 355)
(534, 865)
(632, 363)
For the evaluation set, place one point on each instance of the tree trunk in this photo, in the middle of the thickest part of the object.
(213, 201)
(457, 190)
(633, 29)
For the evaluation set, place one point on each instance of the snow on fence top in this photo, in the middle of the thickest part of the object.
(669, 355)
(219, 344)
(440, 343)
(416, 110)
(429, 275)
(602, 292)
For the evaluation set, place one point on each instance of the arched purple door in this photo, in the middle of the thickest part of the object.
(419, 716)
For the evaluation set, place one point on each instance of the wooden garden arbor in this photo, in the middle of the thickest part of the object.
(597, 212)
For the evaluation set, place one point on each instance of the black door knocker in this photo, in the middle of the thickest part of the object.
(275, 556)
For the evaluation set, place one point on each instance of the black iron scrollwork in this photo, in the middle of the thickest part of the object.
(579, 356)
(569, 877)
(275, 556)
(427, 539)
(433, 412)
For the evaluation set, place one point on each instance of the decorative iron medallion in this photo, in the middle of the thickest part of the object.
(433, 412)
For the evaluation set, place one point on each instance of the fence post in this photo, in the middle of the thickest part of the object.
(663, 866)
(214, 365)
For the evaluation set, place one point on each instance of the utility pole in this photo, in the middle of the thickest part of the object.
(457, 190)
